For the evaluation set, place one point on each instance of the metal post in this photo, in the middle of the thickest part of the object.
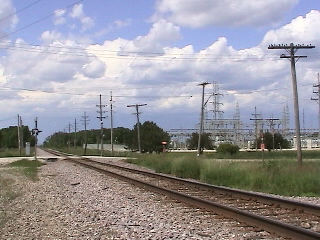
(201, 118)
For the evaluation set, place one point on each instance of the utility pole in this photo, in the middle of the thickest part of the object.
(75, 134)
(69, 139)
(201, 118)
(111, 122)
(21, 134)
(291, 50)
(85, 121)
(101, 123)
(138, 121)
(19, 137)
(317, 86)
(255, 114)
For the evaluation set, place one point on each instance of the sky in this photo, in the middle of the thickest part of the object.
(58, 57)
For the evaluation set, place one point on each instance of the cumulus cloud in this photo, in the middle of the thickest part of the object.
(94, 69)
(51, 36)
(60, 17)
(161, 33)
(301, 30)
(56, 62)
(230, 13)
(8, 17)
(78, 13)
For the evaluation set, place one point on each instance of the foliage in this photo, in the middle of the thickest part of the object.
(227, 148)
(205, 143)
(281, 177)
(151, 137)
(27, 167)
(9, 137)
(62, 139)
(274, 141)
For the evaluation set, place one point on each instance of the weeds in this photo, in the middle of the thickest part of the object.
(282, 177)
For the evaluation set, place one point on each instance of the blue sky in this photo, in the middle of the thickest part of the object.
(58, 56)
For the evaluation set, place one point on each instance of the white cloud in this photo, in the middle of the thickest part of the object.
(301, 30)
(51, 36)
(161, 34)
(77, 13)
(94, 69)
(230, 13)
(59, 17)
(8, 17)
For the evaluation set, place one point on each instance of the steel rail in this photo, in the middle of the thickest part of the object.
(307, 207)
(273, 226)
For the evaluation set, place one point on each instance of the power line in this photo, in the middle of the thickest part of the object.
(20, 10)
(292, 49)
(138, 121)
(40, 20)
(101, 117)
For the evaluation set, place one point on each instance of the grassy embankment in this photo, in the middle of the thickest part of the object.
(7, 179)
(278, 173)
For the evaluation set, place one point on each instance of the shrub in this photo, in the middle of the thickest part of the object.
(227, 148)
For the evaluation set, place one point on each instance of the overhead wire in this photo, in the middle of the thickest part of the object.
(39, 20)
(20, 10)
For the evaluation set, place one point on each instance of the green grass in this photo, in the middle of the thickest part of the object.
(27, 167)
(14, 152)
(277, 176)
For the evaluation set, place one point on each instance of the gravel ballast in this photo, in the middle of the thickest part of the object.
(71, 202)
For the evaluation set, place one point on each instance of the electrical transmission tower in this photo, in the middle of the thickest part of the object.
(138, 121)
(317, 99)
(101, 117)
(285, 121)
(291, 50)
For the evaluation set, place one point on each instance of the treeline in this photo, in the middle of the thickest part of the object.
(151, 137)
(9, 137)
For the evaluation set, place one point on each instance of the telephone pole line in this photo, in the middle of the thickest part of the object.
(291, 50)
(85, 120)
(255, 114)
(317, 86)
(138, 121)
(111, 121)
(75, 134)
(201, 118)
(101, 123)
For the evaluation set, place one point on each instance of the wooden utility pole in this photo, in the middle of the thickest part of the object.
(201, 118)
(85, 121)
(75, 134)
(292, 49)
(138, 121)
(19, 134)
(101, 123)
(111, 121)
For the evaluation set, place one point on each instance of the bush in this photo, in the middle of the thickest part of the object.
(227, 148)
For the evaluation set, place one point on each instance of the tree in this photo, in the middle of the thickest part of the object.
(274, 141)
(9, 136)
(227, 148)
(206, 141)
(151, 137)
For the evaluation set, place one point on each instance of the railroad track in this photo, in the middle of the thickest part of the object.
(282, 217)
